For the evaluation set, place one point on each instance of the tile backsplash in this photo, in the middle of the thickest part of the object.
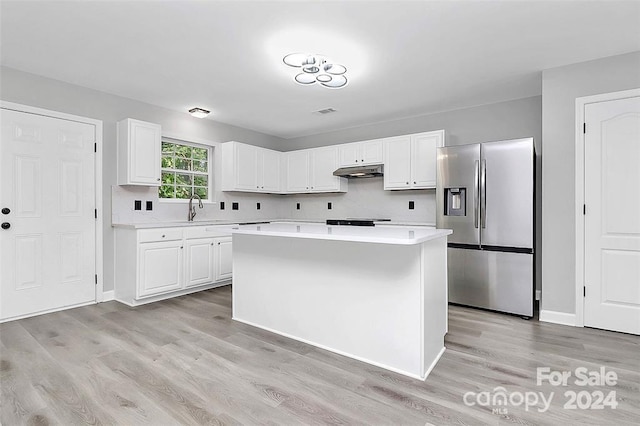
(123, 200)
(364, 199)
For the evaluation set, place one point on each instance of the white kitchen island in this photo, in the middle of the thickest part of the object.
(376, 294)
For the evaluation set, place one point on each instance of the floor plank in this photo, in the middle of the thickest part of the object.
(185, 361)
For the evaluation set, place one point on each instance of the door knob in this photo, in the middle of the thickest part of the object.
(6, 211)
(6, 225)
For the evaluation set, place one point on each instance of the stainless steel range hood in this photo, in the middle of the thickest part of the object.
(359, 171)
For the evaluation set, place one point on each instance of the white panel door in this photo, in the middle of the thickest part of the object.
(47, 252)
(199, 261)
(612, 220)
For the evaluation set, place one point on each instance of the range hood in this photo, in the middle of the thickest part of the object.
(359, 171)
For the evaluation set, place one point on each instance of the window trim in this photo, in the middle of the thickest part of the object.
(210, 187)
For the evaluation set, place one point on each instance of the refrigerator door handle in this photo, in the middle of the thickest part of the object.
(476, 194)
(483, 195)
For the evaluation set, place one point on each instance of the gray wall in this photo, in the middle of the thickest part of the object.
(366, 198)
(505, 120)
(29, 89)
(560, 88)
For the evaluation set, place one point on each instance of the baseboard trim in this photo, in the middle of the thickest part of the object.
(108, 296)
(150, 299)
(48, 311)
(558, 317)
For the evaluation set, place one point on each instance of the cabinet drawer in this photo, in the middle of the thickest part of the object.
(159, 234)
(207, 231)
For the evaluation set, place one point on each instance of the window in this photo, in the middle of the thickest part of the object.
(186, 170)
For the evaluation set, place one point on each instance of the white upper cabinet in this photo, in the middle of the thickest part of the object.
(361, 153)
(397, 165)
(297, 171)
(269, 174)
(139, 150)
(250, 168)
(423, 156)
(410, 160)
(245, 167)
(323, 162)
(311, 170)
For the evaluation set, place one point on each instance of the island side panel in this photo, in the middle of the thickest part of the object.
(359, 299)
(434, 269)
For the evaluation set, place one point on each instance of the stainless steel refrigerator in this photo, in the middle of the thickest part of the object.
(485, 193)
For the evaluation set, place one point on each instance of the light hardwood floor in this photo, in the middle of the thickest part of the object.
(184, 361)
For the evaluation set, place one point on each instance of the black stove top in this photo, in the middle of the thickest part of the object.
(355, 222)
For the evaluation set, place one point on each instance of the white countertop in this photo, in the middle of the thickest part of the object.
(181, 223)
(171, 224)
(402, 235)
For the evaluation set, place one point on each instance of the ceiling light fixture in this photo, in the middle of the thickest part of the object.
(317, 68)
(199, 112)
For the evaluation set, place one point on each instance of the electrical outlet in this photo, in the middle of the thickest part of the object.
(137, 205)
(257, 206)
(411, 205)
(221, 205)
(297, 206)
(149, 205)
(234, 206)
(329, 206)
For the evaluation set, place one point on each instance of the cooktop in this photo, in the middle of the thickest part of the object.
(355, 222)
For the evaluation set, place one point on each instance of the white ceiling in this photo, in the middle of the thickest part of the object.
(403, 58)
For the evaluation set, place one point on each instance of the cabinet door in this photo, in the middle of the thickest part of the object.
(423, 158)
(298, 171)
(349, 154)
(270, 176)
(323, 162)
(160, 268)
(141, 143)
(199, 261)
(371, 152)
(397, 162)
(224, 259)
(246, 167)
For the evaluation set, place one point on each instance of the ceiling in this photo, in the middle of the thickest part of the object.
(403, 58)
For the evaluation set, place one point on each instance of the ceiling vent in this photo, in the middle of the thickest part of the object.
(325, 111)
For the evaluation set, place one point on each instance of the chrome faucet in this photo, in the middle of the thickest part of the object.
(192, 209)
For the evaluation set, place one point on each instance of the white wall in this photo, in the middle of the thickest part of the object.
(560, 88)
(29, 89)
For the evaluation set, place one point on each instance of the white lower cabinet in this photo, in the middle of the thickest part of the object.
(199, 254)
(223, 259)
(155, 264)
(160, 267)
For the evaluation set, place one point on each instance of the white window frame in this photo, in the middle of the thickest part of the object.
(209, 148)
